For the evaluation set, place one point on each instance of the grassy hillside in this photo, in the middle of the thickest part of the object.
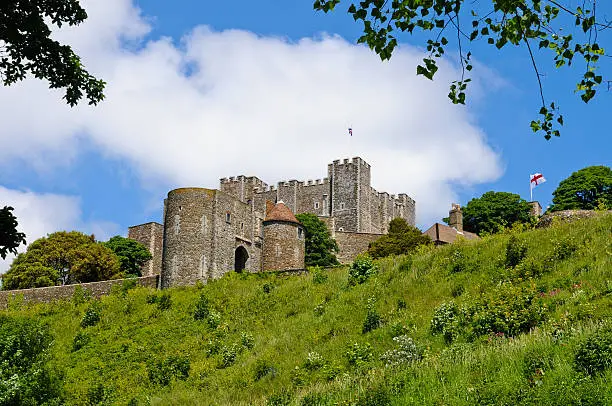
(518, 318)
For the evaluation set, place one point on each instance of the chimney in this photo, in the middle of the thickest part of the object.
(455, 217)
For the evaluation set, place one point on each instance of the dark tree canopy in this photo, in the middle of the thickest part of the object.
(402, 238)
(132, 254)
(10, 238)
(566, 30)
(320, 246)
(494, 210)
(588, 189)
(27, 48)
(62, 258)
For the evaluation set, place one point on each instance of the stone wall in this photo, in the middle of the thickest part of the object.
(52, 293)
(204, 227)
(283, 246)
(353, 244)
(151, 235)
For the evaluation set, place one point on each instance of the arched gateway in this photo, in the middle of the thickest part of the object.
(240, 258)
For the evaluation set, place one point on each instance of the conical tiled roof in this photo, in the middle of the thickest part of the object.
(279, 212)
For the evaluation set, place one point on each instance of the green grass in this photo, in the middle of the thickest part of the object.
(134, 352)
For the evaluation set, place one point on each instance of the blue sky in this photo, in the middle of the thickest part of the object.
(201, 90)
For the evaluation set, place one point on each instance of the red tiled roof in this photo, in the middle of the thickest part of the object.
(279, 212)
(442, 233)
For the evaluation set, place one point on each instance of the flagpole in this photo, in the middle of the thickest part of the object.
(530, 190)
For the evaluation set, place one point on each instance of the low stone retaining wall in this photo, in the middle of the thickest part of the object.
(568, 215)
(51, 293)
(353, 244)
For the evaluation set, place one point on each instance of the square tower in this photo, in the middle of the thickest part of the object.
(350, 193)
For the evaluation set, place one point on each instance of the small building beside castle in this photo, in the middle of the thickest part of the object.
(246, 225)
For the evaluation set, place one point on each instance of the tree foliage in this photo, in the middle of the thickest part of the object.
(402, 238)
(587, 189)
(62, 258)
(25, 378)
(26, 47)
(320, 246)
(10, 238)
(564, 29)
(495, 210)
(132, 254)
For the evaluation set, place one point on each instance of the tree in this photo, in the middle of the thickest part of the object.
(132, 254)
(587, 189)
(320, 246)
(401, 239)
(26, 48)
(553, 25)
(494, 210)
(10, 238)
(62, 258)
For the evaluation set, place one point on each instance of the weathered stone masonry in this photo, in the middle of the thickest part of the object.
(208, 232)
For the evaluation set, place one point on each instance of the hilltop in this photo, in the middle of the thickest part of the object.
(522, 317)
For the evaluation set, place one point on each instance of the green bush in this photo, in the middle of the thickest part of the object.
(81, 339)
(314, 361)
(315, 399)
(407, 351)
(263, 368)
(516, 251)
(202, 308)
(163, 301)
(594, 355)
(228, 356)
(447, 320)
(92, 315)
(318, 275)
(361, 270)
(282, 398)
(358, 354)
(247, 340)
(163, 371)
(25, 378)
(373, 320)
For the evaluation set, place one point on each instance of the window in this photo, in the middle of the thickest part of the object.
(228, 217)
(341, 229)
(316, 205)
(300, 233)
(341, 207)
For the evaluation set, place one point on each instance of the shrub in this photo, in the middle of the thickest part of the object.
(202, 308)
(406, 352)
(25, 378)
(99, 394)
(459, 262)
(213, 347)
(92, 314)
(373, 319)
(164, 301)
(247, 340)
(319, 309)
(516, 251)
(263, 368)
(174, 366)
(314, 361)
(447, 320)
(594, 355)
(81, 339)
(358, 354)
(536, 363)
(564, 249)
(361, 269)
(282, 398)
(318, 275)
(228, 356)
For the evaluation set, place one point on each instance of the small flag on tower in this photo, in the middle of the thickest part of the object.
(351, 132)
(536, 179)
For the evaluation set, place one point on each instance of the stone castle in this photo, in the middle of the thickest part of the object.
(249, 225)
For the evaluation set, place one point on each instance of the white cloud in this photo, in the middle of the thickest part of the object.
(224, 103)
(40, 214)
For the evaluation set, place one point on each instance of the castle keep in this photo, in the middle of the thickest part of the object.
(249, 225)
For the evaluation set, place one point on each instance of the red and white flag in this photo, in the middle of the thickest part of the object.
(536, 179)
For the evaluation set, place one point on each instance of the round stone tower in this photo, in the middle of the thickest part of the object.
(283, 239)
(187, 239)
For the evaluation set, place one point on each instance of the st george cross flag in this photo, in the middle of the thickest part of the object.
(351, 132)
(536, 179)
